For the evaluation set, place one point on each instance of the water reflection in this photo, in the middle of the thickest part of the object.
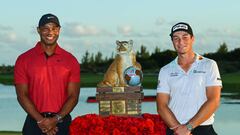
(227, 119)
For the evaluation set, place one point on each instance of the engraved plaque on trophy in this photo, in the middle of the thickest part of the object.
(118, 107)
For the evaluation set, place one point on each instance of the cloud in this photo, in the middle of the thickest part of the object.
(125, 30)
(129, 31)
(80, 46)
(223, 33)
(79, 30)
(9, 36)
(11, 44)
(160, 21)
(209, 40)
(5, 28)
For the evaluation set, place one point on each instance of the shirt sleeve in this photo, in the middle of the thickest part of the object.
(163, 86)
(20, 74)
(75, 71)
(213, 75)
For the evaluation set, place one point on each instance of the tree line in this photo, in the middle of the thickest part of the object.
(228, 61)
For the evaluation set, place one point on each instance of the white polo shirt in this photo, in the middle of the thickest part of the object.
(187, 90)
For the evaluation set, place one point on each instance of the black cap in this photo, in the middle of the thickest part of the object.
(47, 18)
(181, 26)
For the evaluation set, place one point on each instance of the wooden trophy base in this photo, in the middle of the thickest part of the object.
(120, 101)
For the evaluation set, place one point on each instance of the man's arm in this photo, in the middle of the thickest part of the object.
(209, 107)
(73, 91)
(72, 100)
(165, 112)
(26, 103)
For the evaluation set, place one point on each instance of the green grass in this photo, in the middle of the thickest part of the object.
(231, 81)
(10, 133)
(150, 81)
(231, 78)
(6, 79)
(90, 79)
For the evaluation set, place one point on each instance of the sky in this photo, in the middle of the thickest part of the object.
(95, 25)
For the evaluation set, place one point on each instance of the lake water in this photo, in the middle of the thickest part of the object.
(12, 116)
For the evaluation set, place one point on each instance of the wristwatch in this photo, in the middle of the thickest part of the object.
(59, 118)
(189, 127)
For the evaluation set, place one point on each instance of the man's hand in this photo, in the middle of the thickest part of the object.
(53, 131)
(182, 130)
(48, 126)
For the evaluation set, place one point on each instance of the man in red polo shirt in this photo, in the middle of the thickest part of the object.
(47, 81)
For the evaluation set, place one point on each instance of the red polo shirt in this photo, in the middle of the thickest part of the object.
(47, 78)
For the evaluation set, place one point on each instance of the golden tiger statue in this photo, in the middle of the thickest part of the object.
(125, 58)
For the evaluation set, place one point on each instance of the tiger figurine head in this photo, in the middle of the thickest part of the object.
(124, 46)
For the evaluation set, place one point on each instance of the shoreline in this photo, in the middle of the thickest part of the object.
(10, 133)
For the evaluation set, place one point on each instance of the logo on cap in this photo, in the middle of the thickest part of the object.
(50, 17)
(180, 26)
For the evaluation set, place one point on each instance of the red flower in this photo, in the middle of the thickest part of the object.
(116, 132)
(133, 130)
(92, 124)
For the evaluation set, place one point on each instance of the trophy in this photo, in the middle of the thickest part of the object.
(120, 91)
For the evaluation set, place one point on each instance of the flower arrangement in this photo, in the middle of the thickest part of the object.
(93, 124)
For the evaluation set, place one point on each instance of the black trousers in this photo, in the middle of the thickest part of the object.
(31, 128)
(200, 130)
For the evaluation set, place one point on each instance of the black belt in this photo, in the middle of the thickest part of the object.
(48, 114)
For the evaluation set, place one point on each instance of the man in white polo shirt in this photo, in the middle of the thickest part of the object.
(189, 88)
